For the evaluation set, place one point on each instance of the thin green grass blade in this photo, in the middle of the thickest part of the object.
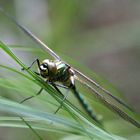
(36, 124)
(30, 127)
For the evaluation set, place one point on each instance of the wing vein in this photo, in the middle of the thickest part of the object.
(31, 35)
(105, 91)
(111, 106)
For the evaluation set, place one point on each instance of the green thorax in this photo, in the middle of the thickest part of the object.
(62, 73)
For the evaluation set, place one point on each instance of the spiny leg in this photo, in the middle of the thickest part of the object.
(36, 60)
(61, 104)
(54, 85)
(28, 98)
(39, 92)
(63, 86)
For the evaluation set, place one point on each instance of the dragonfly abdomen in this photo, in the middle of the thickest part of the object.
(85, 105)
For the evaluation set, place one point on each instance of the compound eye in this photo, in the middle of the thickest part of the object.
(44, 67)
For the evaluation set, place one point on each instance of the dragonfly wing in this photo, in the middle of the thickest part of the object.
(111, 106)
(101, 88)
(44, 46)
(31, 35)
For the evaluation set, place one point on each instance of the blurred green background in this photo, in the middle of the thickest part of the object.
(104, 36)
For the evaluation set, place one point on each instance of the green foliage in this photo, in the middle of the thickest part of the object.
(68, 32)
(42, 120)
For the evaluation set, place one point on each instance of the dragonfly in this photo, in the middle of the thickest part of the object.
(58, 70)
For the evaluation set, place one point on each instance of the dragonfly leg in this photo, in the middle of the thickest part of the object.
(39, 92)
(35, 61)
(37, 73)
(61, 104)
(55, 85)
(64, 98)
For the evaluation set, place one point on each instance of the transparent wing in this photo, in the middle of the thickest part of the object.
(100, 97)
(111, 106)
(32, 36)
(53, 54)
(101, 88)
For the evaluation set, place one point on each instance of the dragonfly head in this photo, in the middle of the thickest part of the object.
(47, 68)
